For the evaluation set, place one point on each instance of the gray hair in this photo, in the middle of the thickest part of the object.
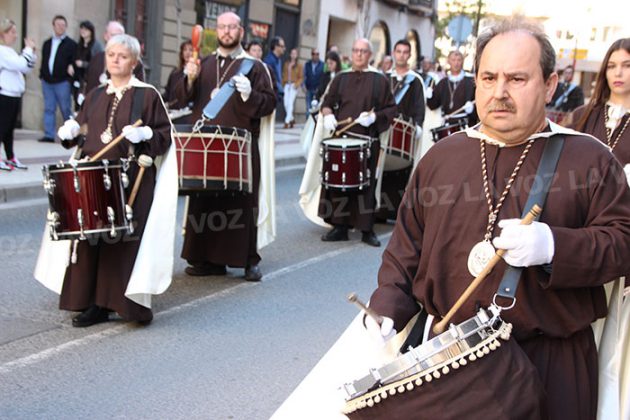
(367, 41)
(5, 25)
(128, 41)
(516, 24)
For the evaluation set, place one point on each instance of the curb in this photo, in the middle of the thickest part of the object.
(33, 190)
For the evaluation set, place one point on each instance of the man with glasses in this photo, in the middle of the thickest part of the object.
(362, 94)
(313, 71)
(210, 245)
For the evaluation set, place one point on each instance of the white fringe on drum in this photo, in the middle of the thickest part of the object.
(484, 347)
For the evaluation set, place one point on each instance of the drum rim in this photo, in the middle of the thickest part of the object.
(82, 166)
(345, 143)
(206, 129)
(74, 234)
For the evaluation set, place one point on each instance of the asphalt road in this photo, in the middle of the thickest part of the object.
(218, 348)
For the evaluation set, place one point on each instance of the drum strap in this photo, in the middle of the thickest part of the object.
(537, 195)
(137, 103)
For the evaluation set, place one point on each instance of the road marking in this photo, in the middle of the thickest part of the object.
(23, 203)
(95, 337)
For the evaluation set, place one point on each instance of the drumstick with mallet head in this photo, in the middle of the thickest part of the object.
(352, 124)
(352, 297)
(441, 326)
(113, 143)
(461, 108)
(195, 40)
(144, 161)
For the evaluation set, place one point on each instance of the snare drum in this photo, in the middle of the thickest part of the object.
(345, 164)
(401, 146)
(447, 129)
(214, 158)
(87, 199)
(434, 378)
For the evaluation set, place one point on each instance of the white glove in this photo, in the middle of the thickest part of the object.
(626, 169)
(526, 245)
(429, 93)
(469, 107)
(243, 86)
(418, 132)
(80, 99)
(137, 134)
(366, 119)
(330, 124)
(69, 130)
(380, 334)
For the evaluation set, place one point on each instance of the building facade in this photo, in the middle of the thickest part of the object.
(161, 26)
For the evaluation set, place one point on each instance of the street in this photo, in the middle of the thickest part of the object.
(218, 347)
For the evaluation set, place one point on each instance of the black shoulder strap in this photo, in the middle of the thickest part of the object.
(537, 195)
(137, 102)
(375, 90)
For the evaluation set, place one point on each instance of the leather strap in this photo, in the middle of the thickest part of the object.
(537, 195)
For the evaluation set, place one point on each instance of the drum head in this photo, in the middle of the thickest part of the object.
(345, 143)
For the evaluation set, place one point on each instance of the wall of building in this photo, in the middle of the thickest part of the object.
(174, 35)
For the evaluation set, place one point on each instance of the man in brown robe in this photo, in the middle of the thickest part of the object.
(455, 93)
(581, 241)
(364, 94)
(208, 248)
(411, 108)
(96, 74)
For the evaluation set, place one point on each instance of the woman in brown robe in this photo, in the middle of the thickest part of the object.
(96, 284)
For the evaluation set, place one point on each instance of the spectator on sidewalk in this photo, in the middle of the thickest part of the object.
(292, 78)
(274, 61)
(333, 64)
(313, 71)
(88, 46)
(56, 74)
(12, 86)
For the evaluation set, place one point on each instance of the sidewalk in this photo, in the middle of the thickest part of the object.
(27, 184)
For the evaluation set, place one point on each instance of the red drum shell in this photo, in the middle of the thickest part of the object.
(214, 159)
(401, 147)
(91, 201)
(446, 130)
(345, 164)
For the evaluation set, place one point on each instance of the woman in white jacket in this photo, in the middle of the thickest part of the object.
(13, 66)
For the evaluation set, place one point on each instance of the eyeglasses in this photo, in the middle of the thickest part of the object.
(315, 53)
(230, 27)
(360, 51)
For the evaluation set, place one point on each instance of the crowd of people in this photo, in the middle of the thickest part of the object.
(564, 258)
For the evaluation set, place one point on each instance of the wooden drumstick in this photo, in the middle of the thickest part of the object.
(441, 326)
(352, 124)
(113, 143)
(457, 110)
(144, 161)
(352, 297)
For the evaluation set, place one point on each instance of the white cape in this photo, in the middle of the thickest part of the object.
(153, 268)
(318, 396)
(267, 190)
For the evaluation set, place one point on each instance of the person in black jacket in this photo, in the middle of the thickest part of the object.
(56, 74)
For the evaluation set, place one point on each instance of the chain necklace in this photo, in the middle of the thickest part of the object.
(609, 131)
(107, 135)
(483, 251)
(220, 78)
(451, 93)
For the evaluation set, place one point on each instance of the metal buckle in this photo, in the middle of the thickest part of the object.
(503, 308)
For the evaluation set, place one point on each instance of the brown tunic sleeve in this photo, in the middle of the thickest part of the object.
(262, 100)
(155, 116)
